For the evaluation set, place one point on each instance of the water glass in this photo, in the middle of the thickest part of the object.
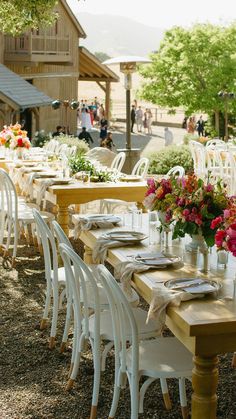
(154, 233)
(222, 258)
(128, 216)
(137, 219)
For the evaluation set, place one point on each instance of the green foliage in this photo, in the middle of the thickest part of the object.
(101, 56)
(40, 138)
(79, 163)
(162, 161)
(191, 66)
(82, 146)
(18, 16)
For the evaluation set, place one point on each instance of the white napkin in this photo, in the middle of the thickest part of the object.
(42, 189)
(27, 186)
(162, 298)
(124, 272)
(85, 224)
(104, 243)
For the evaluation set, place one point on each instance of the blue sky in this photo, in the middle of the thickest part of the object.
(165, 13)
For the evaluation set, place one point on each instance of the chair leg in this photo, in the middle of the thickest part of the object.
(234, 360)
(54, 319)
(67, 325)
(165, 393)
(183, 398)
(143, 390)
(134, 395)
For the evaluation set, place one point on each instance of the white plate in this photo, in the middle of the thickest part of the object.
(157, 259)
(62, 181)
(130, 178)
(193, 285)
(127, 236)
(46, 175)
(109, 218)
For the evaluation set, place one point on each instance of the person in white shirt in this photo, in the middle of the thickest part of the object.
(168, 136)
(139, 119)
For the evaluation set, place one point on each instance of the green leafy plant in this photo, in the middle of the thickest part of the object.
(79, 163)
(162, 161)
(40, 138)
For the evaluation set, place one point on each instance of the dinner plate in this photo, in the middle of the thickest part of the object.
(157, 259)
(193, 285)
(106, 217)
(46, 175)
(130, 178)
(127, 236)
(62, 181)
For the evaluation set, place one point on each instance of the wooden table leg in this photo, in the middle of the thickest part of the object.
(88, 255)
(63, 218)
(204, 381)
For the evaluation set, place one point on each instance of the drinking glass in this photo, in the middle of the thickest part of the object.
(137, 219)
(154, 233)
(222, 258)
(128, 219)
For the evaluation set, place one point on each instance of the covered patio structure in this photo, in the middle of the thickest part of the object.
(19, 100)
(91, 69)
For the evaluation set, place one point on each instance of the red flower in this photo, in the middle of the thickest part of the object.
(20, 142)
(216, 222)
(231, 243)
(219, 237)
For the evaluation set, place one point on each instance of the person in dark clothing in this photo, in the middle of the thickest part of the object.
(108, 142)
(200, 126)
(84, 135)
(59, 130)
(103, 130)
(132, 116)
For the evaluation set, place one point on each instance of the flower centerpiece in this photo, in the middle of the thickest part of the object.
(13, 137)
(194, 205)
(158, 197)
(225, 237)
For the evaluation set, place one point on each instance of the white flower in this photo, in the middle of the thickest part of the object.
(149, 201)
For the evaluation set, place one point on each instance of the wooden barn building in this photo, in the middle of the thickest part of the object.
(52, 62)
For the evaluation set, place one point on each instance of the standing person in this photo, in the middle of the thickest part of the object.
(132, 116)
(84, 135)
(103, 130)
(149, 121)
(101, 112)
(200, 126)
(191, 125)
(145, 120)
(168, 136)
(139, 119)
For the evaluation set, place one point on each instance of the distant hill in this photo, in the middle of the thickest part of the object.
(117, 35)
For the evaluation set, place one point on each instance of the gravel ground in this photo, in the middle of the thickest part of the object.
(33, 378)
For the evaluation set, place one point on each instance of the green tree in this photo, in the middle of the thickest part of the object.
(101, 56)
(191, 67)
(18, 16)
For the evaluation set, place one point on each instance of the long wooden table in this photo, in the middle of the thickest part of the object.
(81, 193)
(207, 327)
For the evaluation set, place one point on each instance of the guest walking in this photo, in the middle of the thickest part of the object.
(103, 129)
(132, 116)
(139, 119)
(200, 126)
(191, 125)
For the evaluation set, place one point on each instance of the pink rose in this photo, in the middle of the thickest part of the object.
(231, 231)
(232, 245)
(216, 222)
(209, 188)
(226, 213)
(219, 237)
(186, 212)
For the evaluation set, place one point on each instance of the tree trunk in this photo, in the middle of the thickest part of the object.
(217, 122)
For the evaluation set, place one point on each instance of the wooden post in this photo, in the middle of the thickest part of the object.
(108, 101)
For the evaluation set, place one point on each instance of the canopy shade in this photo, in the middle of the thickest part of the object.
(91, 69)
(18, 93)
(127, 59)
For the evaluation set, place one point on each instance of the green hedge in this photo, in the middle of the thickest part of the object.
(162, 161)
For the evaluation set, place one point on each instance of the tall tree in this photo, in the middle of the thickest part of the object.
(191, 67)
(18, 16)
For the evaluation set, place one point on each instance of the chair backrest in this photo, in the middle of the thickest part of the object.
(118, 161)
(49, 247)
(71, 151)
(141, 167)
(8, 208)
(176, 171)
(122, 318)
(60, 235)
(79, 276)
(62, 149)
(216, 143)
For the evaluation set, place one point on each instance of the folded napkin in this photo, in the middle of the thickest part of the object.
(125, 270)
(89, 223)
(104, 242)
(42, 189)
(27, 186)
(162, 298)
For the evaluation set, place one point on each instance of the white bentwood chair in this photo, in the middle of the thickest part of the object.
(118, 161)
(15, 215)
(176, 171)
(96, 327)
(140, 169)
(160, 358)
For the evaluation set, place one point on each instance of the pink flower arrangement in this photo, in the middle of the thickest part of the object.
(225, 237)
(13, 137)
(155, 197)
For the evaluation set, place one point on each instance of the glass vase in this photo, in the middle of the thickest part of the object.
(197, 243)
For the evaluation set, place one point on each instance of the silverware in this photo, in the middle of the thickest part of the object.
(188, 285)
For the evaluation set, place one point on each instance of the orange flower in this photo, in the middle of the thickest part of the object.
(159, 192)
